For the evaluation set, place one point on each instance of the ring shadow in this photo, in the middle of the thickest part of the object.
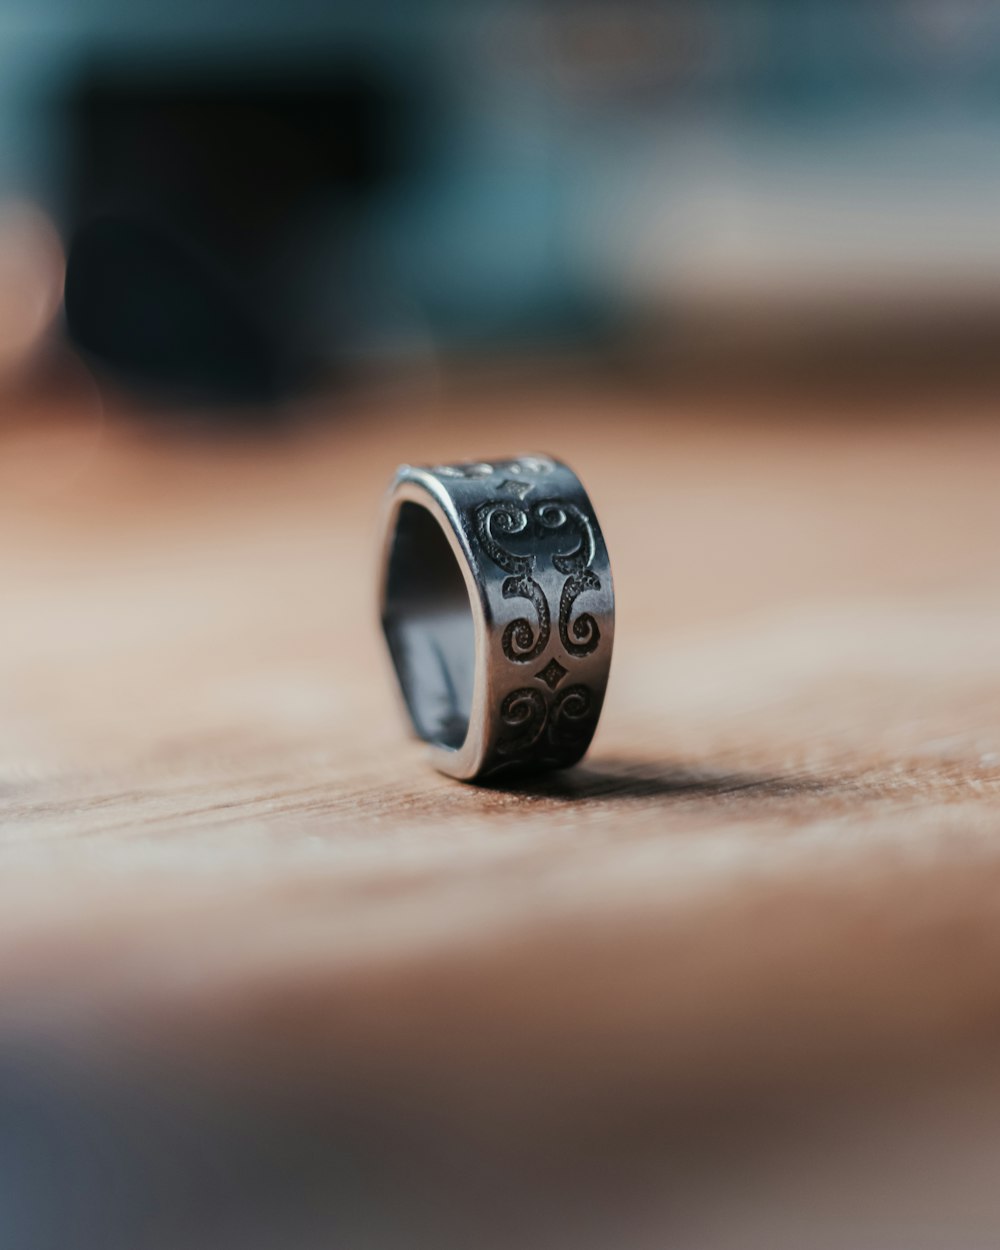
(617, 780)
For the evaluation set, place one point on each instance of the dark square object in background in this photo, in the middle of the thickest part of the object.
(199, 204)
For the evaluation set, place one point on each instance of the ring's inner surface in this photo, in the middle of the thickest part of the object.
(428, 623)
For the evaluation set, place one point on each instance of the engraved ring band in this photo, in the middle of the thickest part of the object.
(498, 610)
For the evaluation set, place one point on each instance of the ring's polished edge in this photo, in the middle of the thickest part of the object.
(535, 567)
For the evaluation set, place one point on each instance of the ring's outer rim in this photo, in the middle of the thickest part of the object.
(416, 485)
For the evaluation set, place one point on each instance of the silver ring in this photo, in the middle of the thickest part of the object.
(498, 610)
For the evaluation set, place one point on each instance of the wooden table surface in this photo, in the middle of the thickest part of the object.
(265, 980)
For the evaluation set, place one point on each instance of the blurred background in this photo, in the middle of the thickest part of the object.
(252, 201)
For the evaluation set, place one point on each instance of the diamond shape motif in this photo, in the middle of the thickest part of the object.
(552, 674)
(517, 489)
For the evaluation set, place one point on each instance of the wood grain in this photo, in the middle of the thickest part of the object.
(266, 980)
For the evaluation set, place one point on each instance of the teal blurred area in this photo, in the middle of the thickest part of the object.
(675, 180)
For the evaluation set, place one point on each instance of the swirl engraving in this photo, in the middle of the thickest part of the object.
(566, 721)
(526, 712)
(516, 535)
(580, 636)
(535, 465)
(546, 549)
(503, 516)
(521, 643)
(569, 720)
(470, 469)
(518, 641)
(584, 628)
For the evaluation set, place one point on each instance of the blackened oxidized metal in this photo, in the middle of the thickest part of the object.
(498, 608)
